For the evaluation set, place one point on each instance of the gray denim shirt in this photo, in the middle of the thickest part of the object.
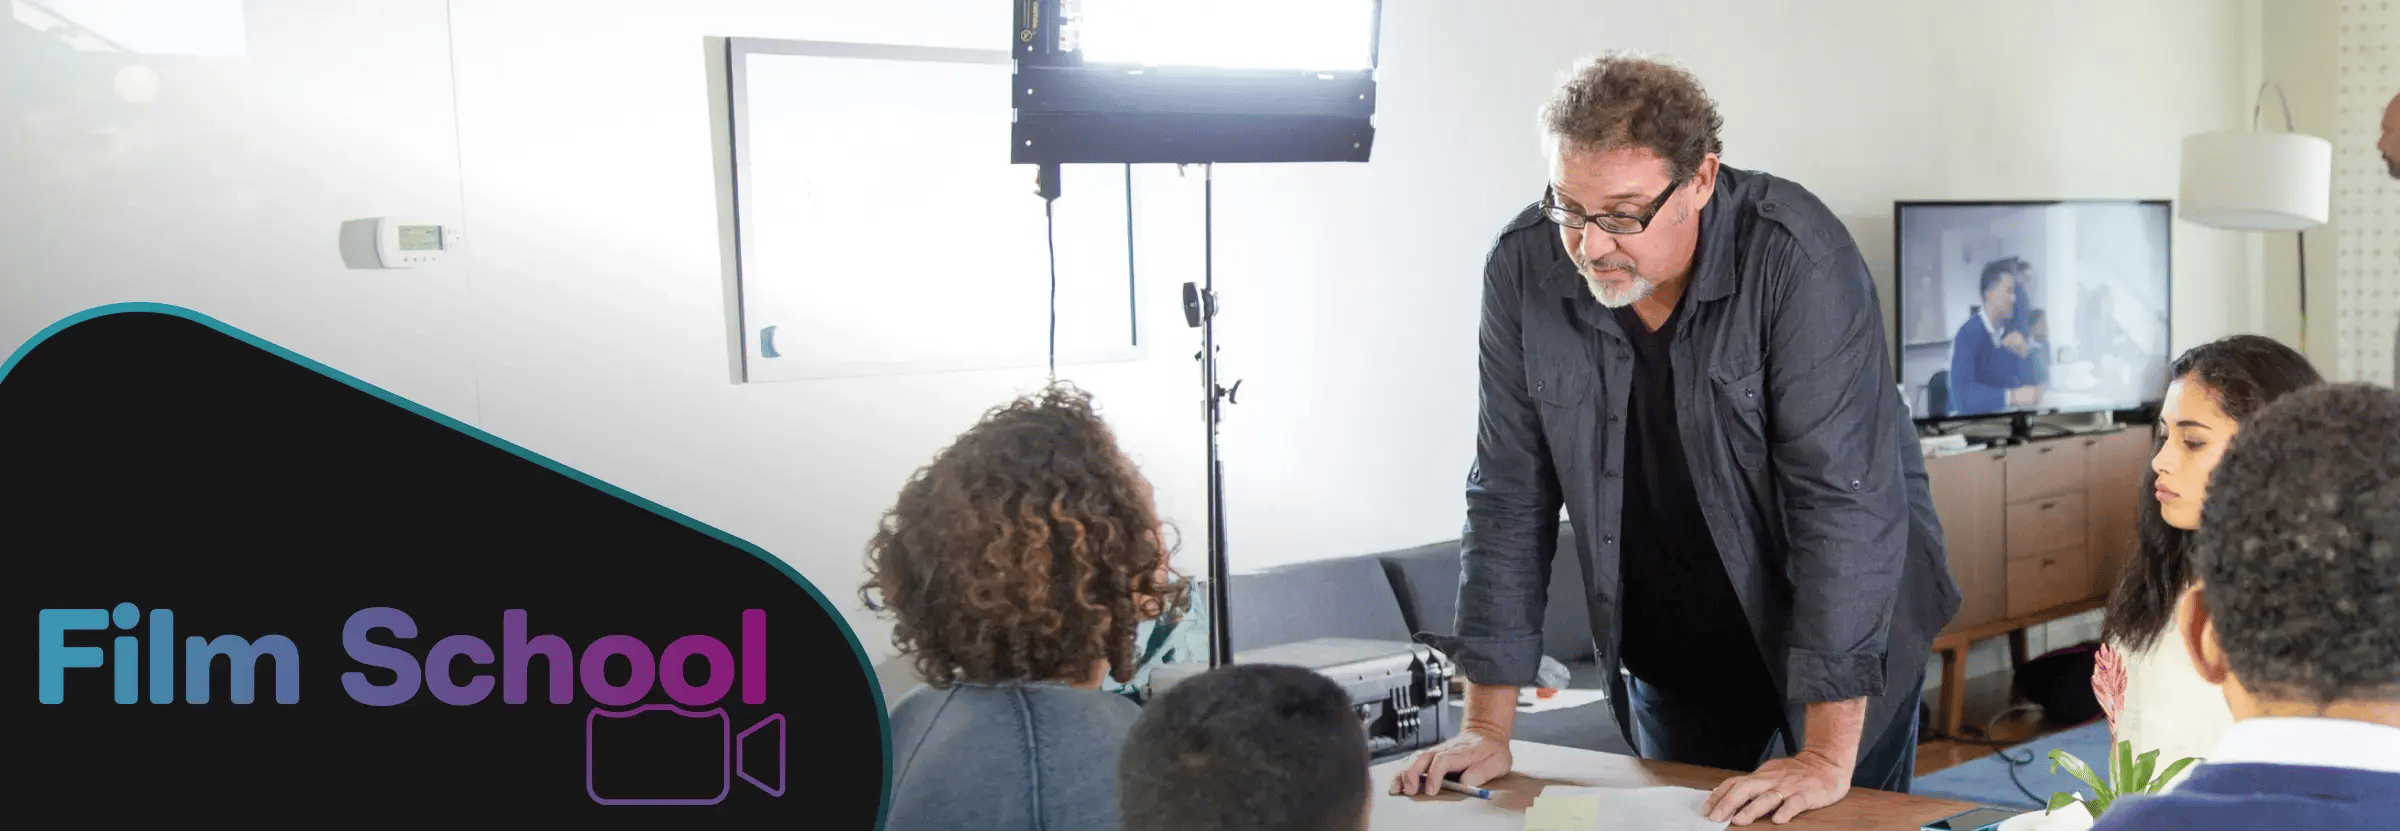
(1009, 756)
(1799, 443)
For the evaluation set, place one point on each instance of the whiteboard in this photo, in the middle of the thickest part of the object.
(880, 228)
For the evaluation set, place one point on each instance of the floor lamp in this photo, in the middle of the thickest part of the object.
(2248, 180)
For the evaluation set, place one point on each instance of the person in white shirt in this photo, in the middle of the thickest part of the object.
(2295, 613)
(2144, 681)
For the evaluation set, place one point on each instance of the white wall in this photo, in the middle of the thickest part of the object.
(2297, 40)
(223, 183)
(2366, 199)
(588, 319)
(587, 142)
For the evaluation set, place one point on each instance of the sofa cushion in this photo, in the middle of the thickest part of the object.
(1425, 579)
(1339, 598)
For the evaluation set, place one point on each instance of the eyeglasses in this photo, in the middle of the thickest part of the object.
(1611, 223)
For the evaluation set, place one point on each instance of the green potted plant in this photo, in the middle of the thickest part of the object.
(2127, 774)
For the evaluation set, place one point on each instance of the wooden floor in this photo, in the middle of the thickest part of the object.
(1987, 696)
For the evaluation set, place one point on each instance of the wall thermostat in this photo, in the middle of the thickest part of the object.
(407, 245)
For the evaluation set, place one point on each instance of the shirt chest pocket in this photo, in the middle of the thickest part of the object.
(1564, 392)
(1742, 405)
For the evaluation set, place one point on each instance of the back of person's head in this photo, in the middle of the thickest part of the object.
(2299, 563)
(1029, 550)
(2240, 374)
(1246, 746)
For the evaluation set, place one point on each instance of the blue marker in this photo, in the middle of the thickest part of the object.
(1465, 789)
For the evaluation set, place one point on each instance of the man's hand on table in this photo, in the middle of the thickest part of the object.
(1817, 777)
(1480, 751)
(1476, 756)
(1785, 787)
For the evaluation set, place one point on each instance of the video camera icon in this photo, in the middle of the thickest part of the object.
(654, 750)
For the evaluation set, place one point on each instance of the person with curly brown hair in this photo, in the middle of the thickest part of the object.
(1688, 358)
(1019, 565)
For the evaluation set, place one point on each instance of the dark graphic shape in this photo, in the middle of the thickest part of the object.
(227, 504)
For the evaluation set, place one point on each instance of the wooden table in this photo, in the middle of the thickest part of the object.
(1539, 765)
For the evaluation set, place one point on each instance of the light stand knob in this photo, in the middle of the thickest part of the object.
(1198, 306)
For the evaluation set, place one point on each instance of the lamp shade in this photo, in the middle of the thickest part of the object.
(2257, 181)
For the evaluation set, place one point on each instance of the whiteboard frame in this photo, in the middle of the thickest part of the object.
(797, 368)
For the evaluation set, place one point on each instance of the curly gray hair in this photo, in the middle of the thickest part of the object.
(1631, 100)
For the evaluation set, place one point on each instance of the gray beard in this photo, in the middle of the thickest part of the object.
(1621, 298)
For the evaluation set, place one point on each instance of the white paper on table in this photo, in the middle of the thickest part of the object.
(1564, 698)
(2072, 817)
(1588, 808)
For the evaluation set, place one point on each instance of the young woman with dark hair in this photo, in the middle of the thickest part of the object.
(2144, 680)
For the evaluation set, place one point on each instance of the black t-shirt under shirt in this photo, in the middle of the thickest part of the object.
(1683, 627)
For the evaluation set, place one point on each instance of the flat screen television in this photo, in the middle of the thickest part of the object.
(2009, 308)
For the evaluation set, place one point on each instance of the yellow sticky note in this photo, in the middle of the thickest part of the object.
(1564, 807)
(1646, 807)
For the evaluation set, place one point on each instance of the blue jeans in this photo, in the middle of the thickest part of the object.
(1739, 730)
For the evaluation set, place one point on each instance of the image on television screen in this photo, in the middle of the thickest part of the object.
(2032, 307)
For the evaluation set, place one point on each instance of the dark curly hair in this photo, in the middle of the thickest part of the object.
(1246, 746)
(2241, 373)
(1625, 100)
(1028, 550)
(2300, 557)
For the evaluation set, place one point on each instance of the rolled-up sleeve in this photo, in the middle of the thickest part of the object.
(1845, 507)
(1513, 502)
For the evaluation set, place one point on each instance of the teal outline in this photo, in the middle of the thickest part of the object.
(882, 712)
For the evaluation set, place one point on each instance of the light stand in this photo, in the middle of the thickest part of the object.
(1069, 111)
(1200, 310)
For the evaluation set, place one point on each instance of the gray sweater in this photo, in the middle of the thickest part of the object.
(1024, 755)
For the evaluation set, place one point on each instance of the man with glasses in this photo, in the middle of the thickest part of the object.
(1689, 359)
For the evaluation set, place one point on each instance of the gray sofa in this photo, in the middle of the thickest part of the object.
(1391, 596)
